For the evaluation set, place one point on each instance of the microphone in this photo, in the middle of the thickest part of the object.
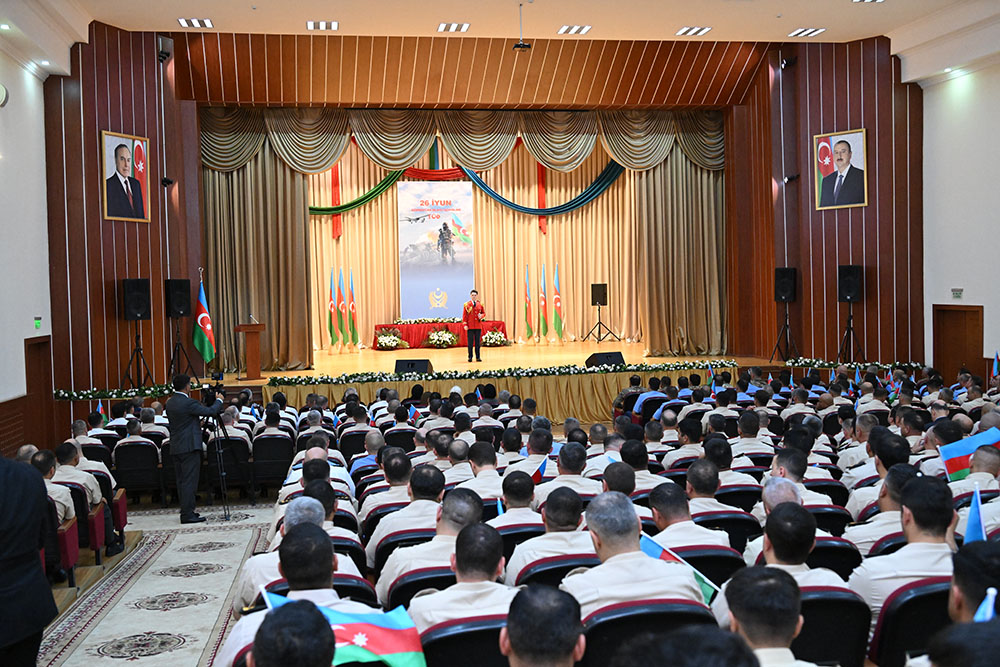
(253, 319)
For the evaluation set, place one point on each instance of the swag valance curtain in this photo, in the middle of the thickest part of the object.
(311, 140)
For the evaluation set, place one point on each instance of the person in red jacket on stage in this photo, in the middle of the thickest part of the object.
(473, 315)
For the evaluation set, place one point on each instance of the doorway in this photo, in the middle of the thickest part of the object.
(39, 405)
(958, 339)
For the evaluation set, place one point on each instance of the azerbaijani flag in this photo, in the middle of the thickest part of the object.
(975, 531)
(353, 311)
(336, 420)
(342, 310)
(824, 158)
(656, 550)
(543, 316)
(557, 321)
(770, 378)
(857, 376)
(711, 373)
(537, 476)
(100, 410)
(987, 610)
(529, 332)
(460, 231)
(956, 455)
(139, 170)
(412, 413)
(499, 507)
(833, 376)
(204, 337)
(479, 394)
(388, 638)
(996, 363)
(331, 307)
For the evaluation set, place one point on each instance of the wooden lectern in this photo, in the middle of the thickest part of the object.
(252, 349)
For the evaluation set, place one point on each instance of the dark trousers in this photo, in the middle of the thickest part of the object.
(187, 466)
(22, 653)
(475, 337)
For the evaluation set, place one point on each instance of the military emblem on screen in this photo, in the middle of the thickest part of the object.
(438, 298)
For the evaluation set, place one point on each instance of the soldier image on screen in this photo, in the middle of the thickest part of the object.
(446, 243)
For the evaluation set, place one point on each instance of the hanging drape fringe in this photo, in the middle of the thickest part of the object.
(310, 140)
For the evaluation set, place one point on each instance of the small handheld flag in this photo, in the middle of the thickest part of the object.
(987, 608)
(499, 507)
(336, 420)
(100, 410)
(711, 373)
(975, 531)
(479, 394)
(412, 414)
(956, 455)
(540, 473)
(833, 376)
(857, 376)
(654, 549)
(996, 363)
(770, 378)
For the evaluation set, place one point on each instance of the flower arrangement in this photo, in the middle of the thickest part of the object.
(803, 362)
(441, 337)
(495, 338)
(516, 372)
(390, 339)
(95, 394)
(428, 320)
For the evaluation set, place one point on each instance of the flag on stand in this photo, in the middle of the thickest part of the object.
(956, 455)
(342, 310)
(557, 321)
(204, 336)
(331, 307)
(540, 473)
(655, 550)
(543, 316)
(528, 333)
(388, 638)
(975, 531)
(354, 314)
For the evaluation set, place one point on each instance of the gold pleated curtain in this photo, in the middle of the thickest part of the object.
(256, 254)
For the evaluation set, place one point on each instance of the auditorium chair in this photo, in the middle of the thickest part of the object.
(62, 541)
(376, 515)
(347, 586)
(346, 520)
(491, 510)
(965, 499)
(401, 439)
(119, 513)
(109, 440)
(871, 480)
(352, 549)
(910, 617)
(757, 472)
(550, 571)
(608, 629)
(994, 535)
(402, 590)
(585, 497)
(740, 526)
(514, 535)
(649, 527)
(640, 498)
(835, 627)
(761, 460)
(677, 475)
(831, 518)
(138, 468)
(272, 457)
(401, 538)
(649, 406)
(363, 471)
(835, 490)
(89, 535)
(776, 425)
(98, 453)
(628, 405)
(835, 553)
(835, 472)
(743, 496)
(889, 544)
(718, 564)
(454, 642)
(169, 471)
(235, 463)
(351, 444)
(496, 431)
(831, 424)
(975, 414)
(676, 405)
(683, 464)
(154, 437)
(301, 441)
(870, 510)
(732, 427)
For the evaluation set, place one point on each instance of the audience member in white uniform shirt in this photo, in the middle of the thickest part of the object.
(865, 534)
(689, 441)
(800, 404)
(653, 437)
(720, 452)
(486, 481)
(888, 450)
(569, 464)
(543, 629)
(485, 417)
(510, 449)
(634, 453)
(723, 400)
(696, 407)
(397, 467)
(672, 516)
(45, 462)
(776, 491)
(478, 563)
(791, 464)
(612, 454)
(765, 609)
(518, 493)
(147, 417)
(857, 451)
(426, 488)
(460, 469)
(928, 520)
(702, 483)
(561, 515)
(620, 477)
(295, 633)
(879, 396)
(96, 422)
(943, 432)
(750, 442)
(323, 492)
(463, 428)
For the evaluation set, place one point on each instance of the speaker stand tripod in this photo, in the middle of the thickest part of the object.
(179, 356)
(141, 367)
(850, 343)
(785, 336)
(600, 331)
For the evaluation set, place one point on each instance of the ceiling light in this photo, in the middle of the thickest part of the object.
(867, 1)
(573, 30)
(44, 63)
(310, 25)
(948, 70)
(453, 27)
(692, 31)
(4, 26)
(196, 23)
(806, 32)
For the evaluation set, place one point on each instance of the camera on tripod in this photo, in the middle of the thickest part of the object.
(209, 392)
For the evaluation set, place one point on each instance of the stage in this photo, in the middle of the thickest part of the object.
(587, 396)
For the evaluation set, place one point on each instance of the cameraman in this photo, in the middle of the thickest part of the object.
(185, 441)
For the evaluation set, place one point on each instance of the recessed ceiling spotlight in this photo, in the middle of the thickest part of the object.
(573, 30)
(196, 23)
(43, 63)
(692, 31)
(948, 70)
(453, 27)
(806, 32)
(4, 26)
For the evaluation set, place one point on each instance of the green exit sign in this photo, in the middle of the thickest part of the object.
(38, 323)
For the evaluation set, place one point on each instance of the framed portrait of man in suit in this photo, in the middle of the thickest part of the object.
(124, 174)
(841, 181)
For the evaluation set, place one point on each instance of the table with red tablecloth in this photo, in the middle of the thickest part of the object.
(416, 334)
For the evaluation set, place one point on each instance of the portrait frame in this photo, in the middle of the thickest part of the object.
(115, 203)
(825, 169)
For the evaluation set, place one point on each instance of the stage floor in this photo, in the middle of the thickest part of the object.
(454, 359)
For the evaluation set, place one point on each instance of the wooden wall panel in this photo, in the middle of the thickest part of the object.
(116, 84)
(462, 72)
